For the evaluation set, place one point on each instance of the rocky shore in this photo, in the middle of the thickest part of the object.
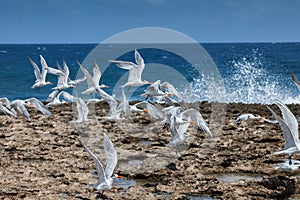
(43, 158)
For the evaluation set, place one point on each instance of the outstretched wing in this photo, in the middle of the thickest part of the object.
(197, 117)
(171, 89)
(96, 73)
(138, 59)
(152, 110)
(295, 80)
(19, 105)
(123, 64)
(6, 111)
(39, 105)
(287, 133)
(37, 71)
(67, 96)
(289, 119)
(89, 79)
(99, 166)
(111, 156)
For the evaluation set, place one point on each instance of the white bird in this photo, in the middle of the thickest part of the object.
(170, 90)
(155, 93)
(135, 70)
(93, 82)
(179, 133)
(124, 106)
(6, 111)
(81, 106)
(63, 79)
(40, 76)
(288, 165)
(188, 115)
(113, 114)
(54, 99)
(35, 103)
(153, 110)
(50, 70)
(247, 116)
(20, 105)
(105, 175)
(289, 127)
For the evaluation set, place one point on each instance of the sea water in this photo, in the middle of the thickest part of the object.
(250, 72)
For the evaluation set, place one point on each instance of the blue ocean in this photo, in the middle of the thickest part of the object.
(250, 72)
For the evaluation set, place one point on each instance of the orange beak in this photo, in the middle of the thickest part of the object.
(31, 104)
(192, 122)
(145, 110)
(149, 83)
(169, 94)
(262, 119)
(65, 103)
(120, 176)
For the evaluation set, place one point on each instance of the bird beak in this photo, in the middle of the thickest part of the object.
(51, 83)
(120, 176)
(169, 94)
(262, 119)
(145, 110)
(106, 86)
(149, 83)
(65, 103)
(192, 122)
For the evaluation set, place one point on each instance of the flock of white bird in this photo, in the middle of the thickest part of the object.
(177, 117)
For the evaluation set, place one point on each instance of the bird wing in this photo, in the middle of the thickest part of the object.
(171, 89)
(67, 72)
(287, 133)
(39, 105)
(197, 117)
(123, 105)
(289, 119)
(140, 63)
(82, 109)
(153, 110)
(100, 171)
(52, 95)
(67, 96)
(5, 101)
(96, 73)
(111, 156)
(123, 64)
(76, 81)
(48, 69)
(6, 111)
(88, 76)
(138, 59)
(295, 80)
(37, 71)
(19, 105)
(44, 67)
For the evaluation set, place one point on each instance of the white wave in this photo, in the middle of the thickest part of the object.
(249, 82)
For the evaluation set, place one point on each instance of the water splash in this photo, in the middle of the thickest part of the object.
(247, 80)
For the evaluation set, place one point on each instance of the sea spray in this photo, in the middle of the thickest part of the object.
(250, 81)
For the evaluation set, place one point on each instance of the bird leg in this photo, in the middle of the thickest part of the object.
(290, 158)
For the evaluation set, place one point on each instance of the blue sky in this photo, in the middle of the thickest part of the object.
(92, 21)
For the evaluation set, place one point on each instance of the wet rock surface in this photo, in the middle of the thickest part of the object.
(43, 158)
